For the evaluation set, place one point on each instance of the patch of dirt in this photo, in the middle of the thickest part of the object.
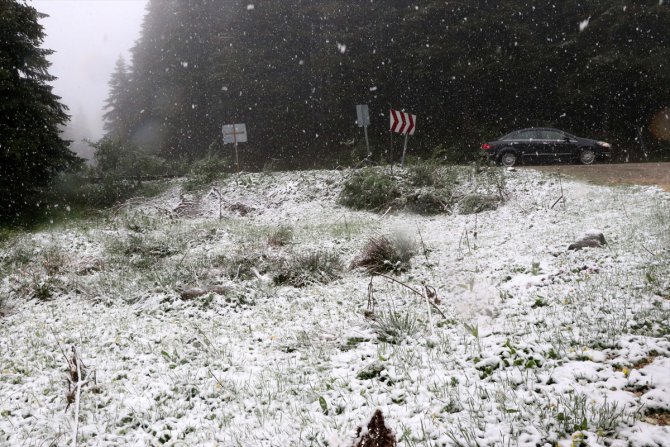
(644, 362)
(658, 417)
(616, 174)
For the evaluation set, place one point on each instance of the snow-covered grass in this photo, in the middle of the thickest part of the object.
(537, 345)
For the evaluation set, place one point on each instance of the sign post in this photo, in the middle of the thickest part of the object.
(363, 118)
(404, 124)
(233, 134)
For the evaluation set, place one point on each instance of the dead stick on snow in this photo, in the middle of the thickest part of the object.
(413, 290)
(77, 396)
(425, 250)
(560, 182)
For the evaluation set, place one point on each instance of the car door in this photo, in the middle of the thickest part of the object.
(546, 144)
(560, 143)
(529, 144)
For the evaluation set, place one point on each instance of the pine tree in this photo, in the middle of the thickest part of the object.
(32, 151)
(117, 107)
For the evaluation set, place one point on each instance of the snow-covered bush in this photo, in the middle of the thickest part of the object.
(477, 203)
(369, 189)
(204, 172)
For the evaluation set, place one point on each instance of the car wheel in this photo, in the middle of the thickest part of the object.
(508, 159)
(587, 156)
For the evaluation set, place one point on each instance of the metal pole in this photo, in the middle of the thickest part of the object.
(390, 160)
(237, 157)
(367, 142)
(404, 149)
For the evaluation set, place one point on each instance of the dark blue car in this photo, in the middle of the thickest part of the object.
(543, 143)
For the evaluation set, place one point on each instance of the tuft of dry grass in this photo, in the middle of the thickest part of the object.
(281, 236)
(382, 254)
(316, 267)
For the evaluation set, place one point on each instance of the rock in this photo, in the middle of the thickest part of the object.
(592, 238)
(376, 434)
(197, 292)
(192, 293)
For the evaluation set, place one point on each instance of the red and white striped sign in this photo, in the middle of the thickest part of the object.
(402, 123)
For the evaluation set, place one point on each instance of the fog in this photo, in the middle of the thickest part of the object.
(87, 36)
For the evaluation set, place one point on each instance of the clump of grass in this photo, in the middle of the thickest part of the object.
(575, 413)
(281, 236)
(20, 254)
(54, 260)
(477, 203)
(428, 202)
(304, 269)
(142, 250)
(371, 371)
(139, 222)
(394, 326)
(369, 189)
(39, 287)
(382, 254)
(244, 266)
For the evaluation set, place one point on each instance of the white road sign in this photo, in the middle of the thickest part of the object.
(234, 133)
(363, 115)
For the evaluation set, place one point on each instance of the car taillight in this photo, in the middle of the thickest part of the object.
(486, 146)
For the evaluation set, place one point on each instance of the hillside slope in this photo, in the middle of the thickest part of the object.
(186, 307)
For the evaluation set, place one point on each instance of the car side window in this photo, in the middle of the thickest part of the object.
(529, 135)
(553, 135)
(511, 136)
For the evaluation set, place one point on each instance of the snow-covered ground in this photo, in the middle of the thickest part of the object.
(540, 345)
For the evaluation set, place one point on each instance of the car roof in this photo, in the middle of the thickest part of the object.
(537, 128)
(534, 128)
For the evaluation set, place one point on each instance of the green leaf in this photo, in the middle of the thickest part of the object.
(324, 405)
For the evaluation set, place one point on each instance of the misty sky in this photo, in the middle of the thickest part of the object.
(88, 36)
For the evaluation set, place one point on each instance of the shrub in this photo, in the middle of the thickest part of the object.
(476, 203)
(428, 202)
(123, 159)
(315, 267)
(369, 189)
(423, 174)
(382, 254)
(203, 172)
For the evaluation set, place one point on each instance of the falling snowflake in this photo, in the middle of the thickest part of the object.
(583, 24)
(250, 7)
(341, 48)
